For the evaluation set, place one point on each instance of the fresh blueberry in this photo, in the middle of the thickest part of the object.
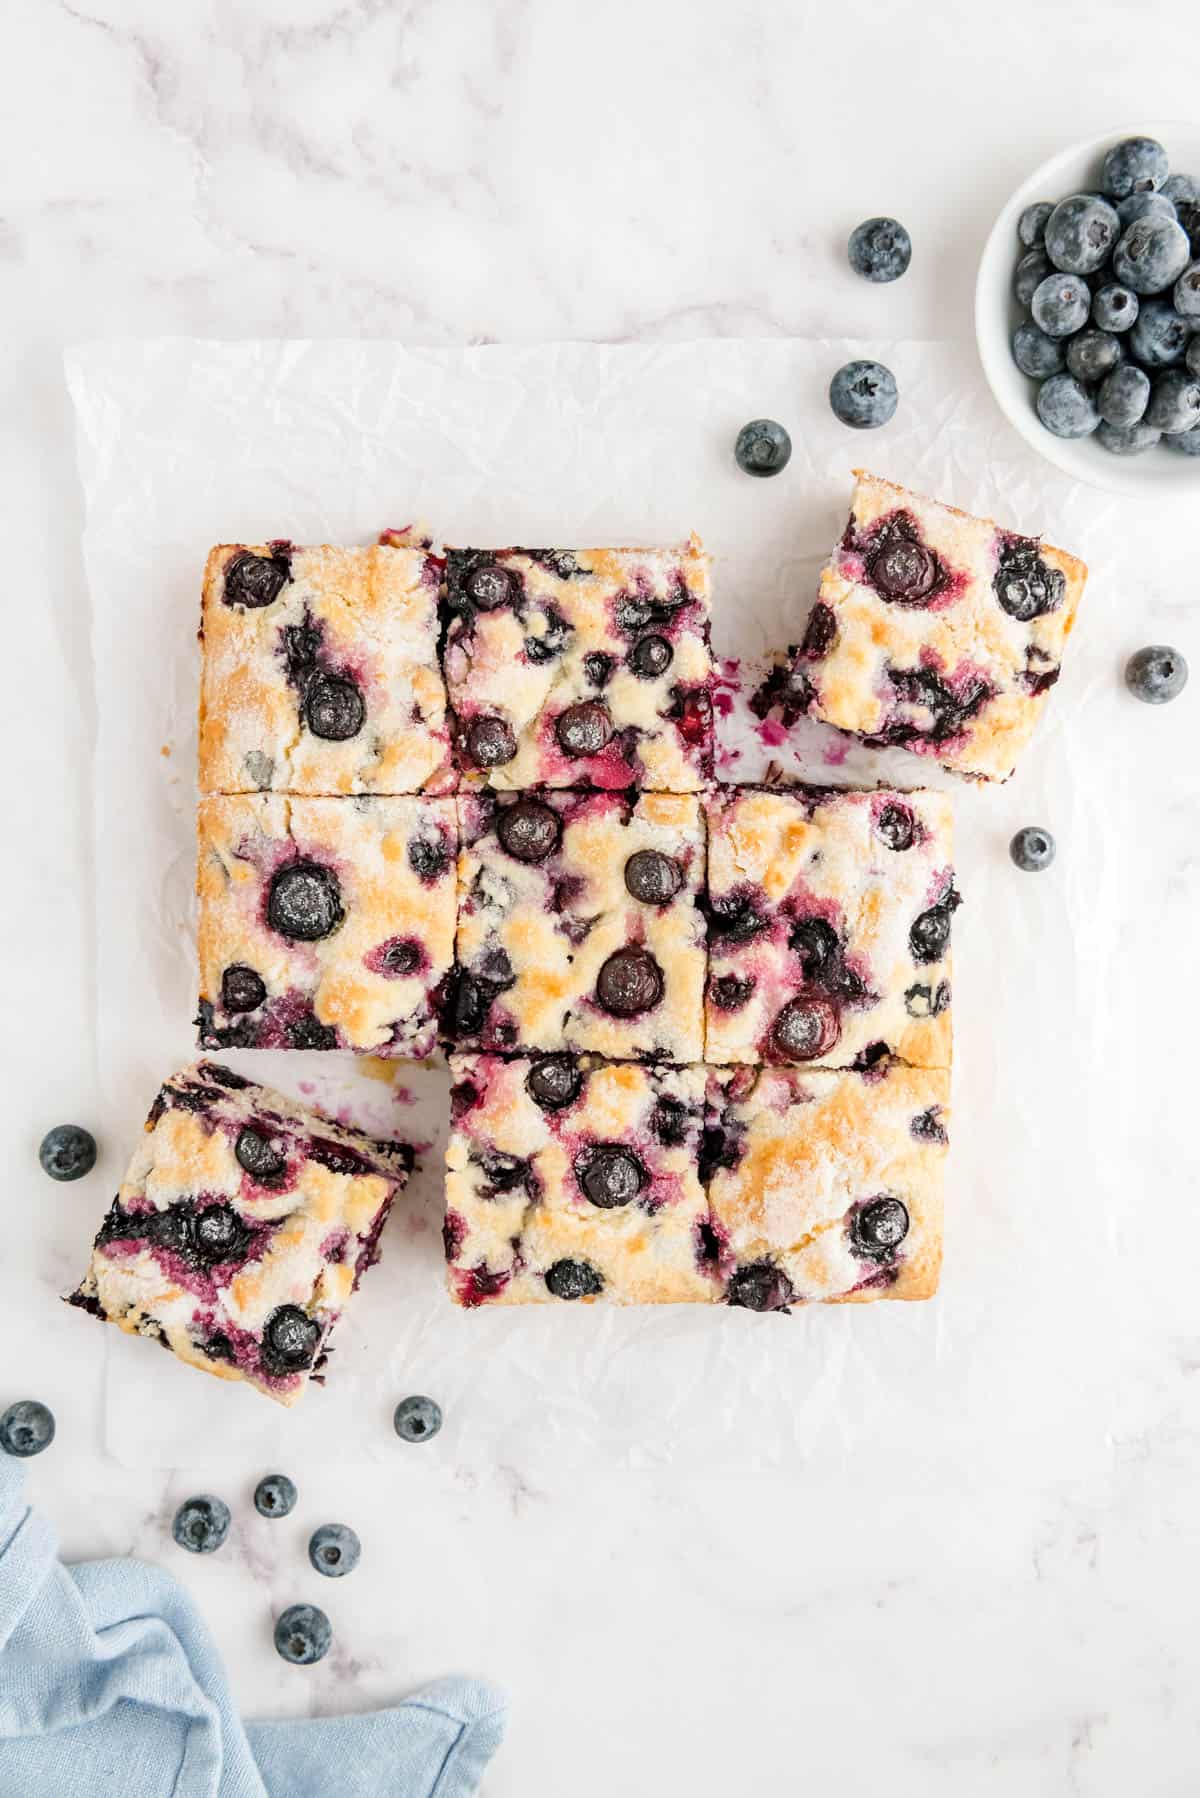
(1136, 165)
(629, 982)
(26, 1428)
(880, 249)
(67, 1152)
(1124, 395)
(1156, 674)
(241, 988)
(763, 447)
(652, 878)
(1187, 293)
(929, 937)
(1034, 353)
(1160, 336)
(201, 1524)
(490, 741)
(290, 1340)
(1127, 440)
(259, 1156)
(584, 729)
(334, 1550)
(303, 1634)
(863, 395)
(807, 1026)
(1029, 274)
(1066, 408)
(417, 1419)
(1032, 849)
(529, 830)
(1114, 308)
(650, 657)
(554, 1082)
(1174, 401)
(896, 826)
(1193, 355)
(1031, 226)
(305, 902)
(1144, 206)
(1186, 188)
(275, 1496)
(1093, 354)
(1060, 305)
(878, 1228)
(611, 1176)
(574, 1280)
(1080, 233)
(333, 708)
(1186, 443)
(1152, 255)
(760, 1286)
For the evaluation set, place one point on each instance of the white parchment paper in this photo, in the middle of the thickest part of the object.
(1019, 1361)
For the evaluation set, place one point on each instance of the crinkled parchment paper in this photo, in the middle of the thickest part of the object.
(1020, 1362)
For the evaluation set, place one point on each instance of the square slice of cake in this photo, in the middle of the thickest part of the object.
(243, 1226)
(829, 920)
(936, 631)
(325, 923)
(569, 1177)
(320, 671)
(575, 668)
(579, 923)
(825, 1185)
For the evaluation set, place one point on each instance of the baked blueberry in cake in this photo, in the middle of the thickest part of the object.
(936, 631)
(579, 923)
(581, 668)
(325, 923)
(827, 1185)
(573, 1178)
(241, 1229)
(320, 671)
(829, 926)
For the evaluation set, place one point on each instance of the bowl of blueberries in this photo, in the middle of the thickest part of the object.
(1087, 310)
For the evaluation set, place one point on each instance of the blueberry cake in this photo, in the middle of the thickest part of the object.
(829, 922)
(827, 1185)
(241, 1229)
(937, 631)
(575, 668)
(569, 1177)
(579, 923)
(325, 923)
(320, 671)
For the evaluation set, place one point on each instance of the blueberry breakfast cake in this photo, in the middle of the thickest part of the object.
(241, 1229)
(937, 631)
(325, 923)
(574, 668)
(320, 671)
(829, 921)
(827, 1185)
(569, 1177)
(579, 923)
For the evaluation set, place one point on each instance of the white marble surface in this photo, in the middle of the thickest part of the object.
(528, 171)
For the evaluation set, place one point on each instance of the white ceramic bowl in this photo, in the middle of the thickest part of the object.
(1160, 472)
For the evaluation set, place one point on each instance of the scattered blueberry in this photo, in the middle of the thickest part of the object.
(303, 1634)
(806, 1027)
(290, 1340)
(1114, 308)
(1066, 408)
(529, 830)
(584, 729)
(863, 395)
(1124, 395)
(650, 657)
(652, 878)
(1080, 232)
(1060, 304)
(763, 447)
(305, 902)
(1144, 206)
(760, 1286)
(1187, 292)
(68, 1152)
(201, 1524)
(1152, 255)
(1186, 443)
(554, 1082)
(1160, 336)
(1182, 188)
(1034, 353)
(1093, 354)
(417, 1419)
(26, 1428)
(574, 1280)
(334, 1550)
(255, 581)
(878, 1228)
(1127, 440)
(260, 1157)
(242, 989)
(490, 741)
(1031, 226)
(896, 826)
(1029, 274)
(1032, 849)
(880, 249)
(275, 1496)
(611, 1176)
(1136, 165)
(1174, 401)
(333, 708)
(630, 981)
(1156, 674)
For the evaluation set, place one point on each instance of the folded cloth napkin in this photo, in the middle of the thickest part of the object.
(110, 1685)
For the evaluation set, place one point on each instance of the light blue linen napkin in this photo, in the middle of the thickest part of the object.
(110, 1686)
